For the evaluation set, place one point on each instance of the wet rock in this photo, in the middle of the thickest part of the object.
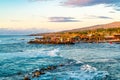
(61, 65)
(19, 73)
(48, 68)
(42, 71)
(37, 73)
(26, 78)
(51, 67)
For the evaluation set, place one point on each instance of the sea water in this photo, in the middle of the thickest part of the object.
(82, 61)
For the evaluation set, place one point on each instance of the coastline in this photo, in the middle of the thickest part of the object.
(72, 40)
(98, 35)
(57, 61)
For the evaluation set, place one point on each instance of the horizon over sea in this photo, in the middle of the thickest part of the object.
(82, 61)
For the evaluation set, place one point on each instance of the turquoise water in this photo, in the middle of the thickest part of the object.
(82, 61)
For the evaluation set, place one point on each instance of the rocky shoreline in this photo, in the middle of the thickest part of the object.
(40, 42)
(74, 39)
(88, 35)
(42, 71)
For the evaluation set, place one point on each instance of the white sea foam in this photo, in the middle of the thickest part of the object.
(32, 53)
(24, 53)
(86, 72)
(53, 52)
(39, 53)
(78, 62)
(78, 74)
(100, 60)
(88, 68)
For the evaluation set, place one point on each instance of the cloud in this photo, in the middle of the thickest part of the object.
(100, 17)
(112, 12)
(76, 2)
(62, 19)
(104, 17)
(117, 9)
(83, 3)
(6, 31)
(38, 0)
(90, 2)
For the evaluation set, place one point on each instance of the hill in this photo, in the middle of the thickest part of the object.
(95, 27)
(104, 26)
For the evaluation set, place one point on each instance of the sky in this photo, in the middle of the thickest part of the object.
(38, 16)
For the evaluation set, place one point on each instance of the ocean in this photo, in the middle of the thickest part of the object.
(82, 61)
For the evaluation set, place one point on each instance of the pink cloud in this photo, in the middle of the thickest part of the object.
(113, 3)
(77, 2)
(37, 0)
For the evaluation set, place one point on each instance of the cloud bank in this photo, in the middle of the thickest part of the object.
(37, 0)
(6, 31)
(100, 17)
(90, 2)
(83, 3)
(62, 19)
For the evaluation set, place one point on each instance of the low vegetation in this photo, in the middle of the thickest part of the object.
(98, 35)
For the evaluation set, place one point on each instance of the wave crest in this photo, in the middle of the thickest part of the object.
(88, 68)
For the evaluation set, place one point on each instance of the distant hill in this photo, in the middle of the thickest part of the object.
(104, 26)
